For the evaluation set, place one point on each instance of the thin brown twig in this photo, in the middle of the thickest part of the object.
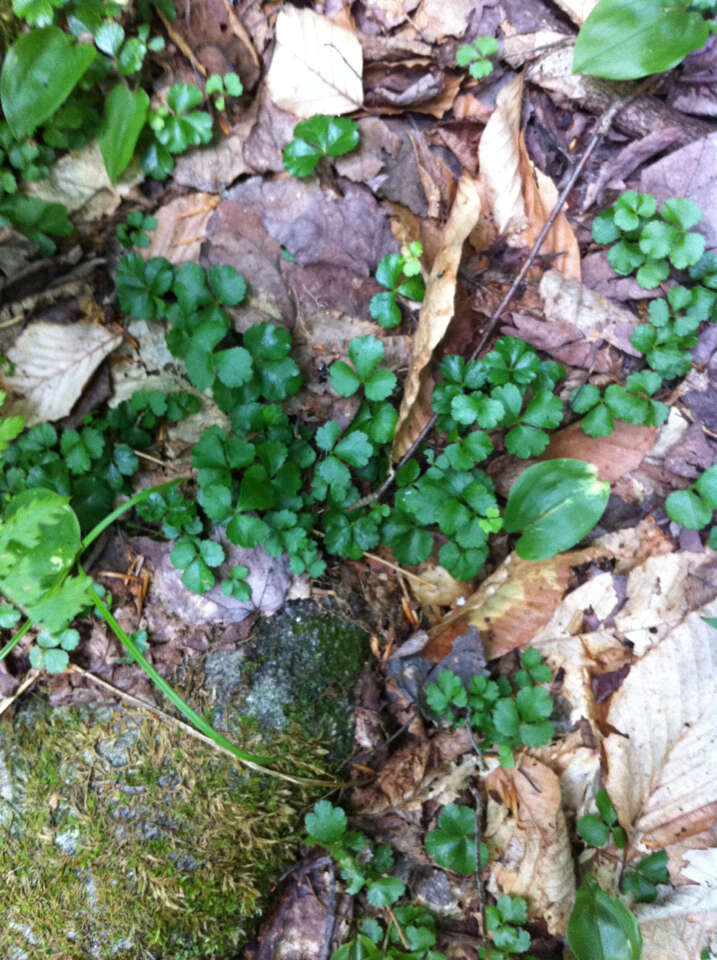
(479, 879)
(601, 129)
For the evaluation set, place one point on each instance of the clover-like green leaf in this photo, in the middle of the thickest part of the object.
(452, 843)
(326, 823)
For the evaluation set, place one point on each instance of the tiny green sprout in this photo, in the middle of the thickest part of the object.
(448, 692)
(219, 86)
(401, 275)
(133, 232)
(235, 586)
(475, 55)
(643, 880)
(318, 137)
(175, 128)
(693, 508)
(646, 242)
(50, 650)
(596, 830)
(141, 642)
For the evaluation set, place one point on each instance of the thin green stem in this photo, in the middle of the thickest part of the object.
(123, 507)
(13, 641)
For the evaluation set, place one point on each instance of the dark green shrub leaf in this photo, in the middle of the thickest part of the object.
(593, 831)
(688, 509)
(601, 927)
(39, 72)
(124, 117)
(554, 504)
(384, 309)
(626, 39)
(605, 807)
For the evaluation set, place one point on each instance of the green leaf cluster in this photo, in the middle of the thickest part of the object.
(643, 880)
(595, 830)
(627, 39)
(452, 844)
(318, 137)
(667, 340)
(504, 922)
(37, 220)
(692, 508)
(600, 925)
(632, 403)
(474, 55)
(50, 651)
(361, 863)
(133, 232)
(646, 242)
(504, 716)
(400, 274)
(510, 387)
(408, 932)
(173, 129)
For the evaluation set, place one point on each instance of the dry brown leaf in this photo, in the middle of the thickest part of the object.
(499, 161)
(518, 48)
(614, 456)
(534, 853)
(512, 604)
(317, 66)
(597, 318)
(53, 362)
(181, 228)
(436, 19)
(577, 10)
(436, 313)
(633, 545)
(540, 196)
(661, 758)
(521, 197)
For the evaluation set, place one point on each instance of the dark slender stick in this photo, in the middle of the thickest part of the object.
(601, 129)
(479, 879)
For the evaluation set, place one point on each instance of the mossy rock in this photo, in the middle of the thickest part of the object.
(300, 666)
(123, 837)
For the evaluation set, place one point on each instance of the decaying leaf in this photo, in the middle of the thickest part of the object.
(680, 925)
(53, 362)
(534, 856)
(317, 66)
(665, 729)
(436, 313)
(614, 456)
(633, 545)
(436, 20)
(521, 197)
(577, 10)
(512, 604)
(181, 228)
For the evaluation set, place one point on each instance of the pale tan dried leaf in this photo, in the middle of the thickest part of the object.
(659, 596)
(80, 182)
(317, 66)
(677, 926)
(633, 545)
(53, 362)
(660, 759)
(181, 227)
(540, 196)
(436, 19)
(512, 604)
(614, 456)
(499, 160)
(436, 313)
(566, 300)
(437, 588)
(577, 10)
(534, 853)
(518, 48)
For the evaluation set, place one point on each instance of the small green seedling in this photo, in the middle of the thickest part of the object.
(133, 232)
(318, 137)
(596, 830)
(667, 340)
(452, 844)
(128, 54)
(692, 508)
(51, 651)
(475, 55)
(401, 275)
(235, 586)
(632, 403)
(365, 353)
(648, 243)
(642, 881)
(218, 86)
(504, 922)
(194, 557)
(175, 128)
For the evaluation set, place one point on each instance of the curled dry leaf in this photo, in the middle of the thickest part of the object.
(512, 604)
(534, 855)
(633, 545)
(659, 772)
(317, 66)
(436, 313)
(614, 456)
(577, 10)
(520, 196)
(53, 362)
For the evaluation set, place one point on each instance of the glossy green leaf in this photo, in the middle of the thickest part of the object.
(688, 509)
(626, 39)
(601, 927)
(554, 505)
(326, 823)
(39, 72)
(124, 117)
(593, 831)
(452, 843)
